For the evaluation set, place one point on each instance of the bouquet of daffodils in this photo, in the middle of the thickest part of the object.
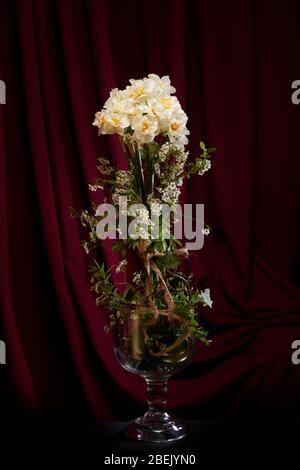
(139, 210)
(144, 110)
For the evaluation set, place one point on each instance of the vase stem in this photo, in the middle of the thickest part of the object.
(156, 425)
(157, 395)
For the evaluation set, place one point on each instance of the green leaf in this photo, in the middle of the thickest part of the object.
(196, 298)
(169, 261)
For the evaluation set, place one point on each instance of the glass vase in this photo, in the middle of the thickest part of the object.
(154, 344)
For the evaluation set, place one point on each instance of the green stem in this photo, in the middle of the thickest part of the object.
(150, 174)
(140, 175)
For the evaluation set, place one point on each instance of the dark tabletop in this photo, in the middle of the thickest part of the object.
(105, 442)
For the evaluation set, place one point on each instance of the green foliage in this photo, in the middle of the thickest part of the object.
(102, 285)
(167, 262)
(119, 247)
(202, 163)
(186, 301)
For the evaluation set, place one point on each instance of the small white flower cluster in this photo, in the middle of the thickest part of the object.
(205, 231)
(170, 148)
(172, 158)
(155, 208)
(170, 193)
(164, 151)
(85, 246)
(155, 205)
(142, 222)
(124, 181)
(124, 178)
(118, 200)
(142, 216)
(104, 166)
(95, 186)
(121, 266)
(205, 294)
(205, 168)
(146, 109)
(137, 278)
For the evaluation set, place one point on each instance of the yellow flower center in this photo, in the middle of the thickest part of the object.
(139, 91)
(116, 121)
(174, 126)
(166, 102)
(145, 126)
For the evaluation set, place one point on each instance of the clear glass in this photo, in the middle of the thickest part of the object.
(154, 345)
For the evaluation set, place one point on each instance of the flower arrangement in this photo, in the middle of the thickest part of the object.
(151, 126)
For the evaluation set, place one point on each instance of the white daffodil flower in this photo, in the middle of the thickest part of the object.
(145, 128)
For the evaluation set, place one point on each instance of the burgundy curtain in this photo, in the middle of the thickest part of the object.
(232, 64)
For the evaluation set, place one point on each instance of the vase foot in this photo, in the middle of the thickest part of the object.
(156, 427)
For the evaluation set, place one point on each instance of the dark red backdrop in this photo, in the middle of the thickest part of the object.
(232, 64)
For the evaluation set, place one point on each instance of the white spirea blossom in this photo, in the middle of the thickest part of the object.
(121, 266)
(124, 178)
(155, 205)
(144, 109)
(170, 193)
(137, 278)
(155, 208)
(142, 222)
(205, 168)
(205, 294)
